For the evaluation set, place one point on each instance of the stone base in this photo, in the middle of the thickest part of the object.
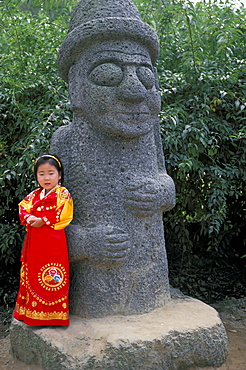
(185, 333)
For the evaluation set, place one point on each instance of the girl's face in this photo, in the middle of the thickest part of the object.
(48, 176)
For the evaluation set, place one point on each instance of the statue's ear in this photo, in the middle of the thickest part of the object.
(156, 79)
(74, 91)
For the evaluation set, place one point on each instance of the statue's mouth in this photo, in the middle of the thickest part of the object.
(132, 117)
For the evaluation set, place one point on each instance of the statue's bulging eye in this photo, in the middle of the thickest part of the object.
(146, 76)
(107, 74)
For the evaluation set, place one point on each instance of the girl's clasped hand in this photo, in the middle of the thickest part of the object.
(34, 221)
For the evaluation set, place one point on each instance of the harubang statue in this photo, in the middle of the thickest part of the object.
(113, 161)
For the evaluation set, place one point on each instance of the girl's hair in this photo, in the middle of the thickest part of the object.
(51, 159)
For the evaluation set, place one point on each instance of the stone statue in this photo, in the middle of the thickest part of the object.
(113, 161)
(115, 171)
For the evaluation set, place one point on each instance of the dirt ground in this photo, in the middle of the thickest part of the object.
(232, 313)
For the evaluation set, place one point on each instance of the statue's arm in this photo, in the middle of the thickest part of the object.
(102, 244)
(166, 182)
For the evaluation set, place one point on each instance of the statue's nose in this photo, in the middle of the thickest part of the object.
(131, 89)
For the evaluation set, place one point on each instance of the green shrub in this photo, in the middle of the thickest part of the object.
(202, 72)
(33, 103)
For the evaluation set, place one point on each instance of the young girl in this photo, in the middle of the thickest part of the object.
(44, 282)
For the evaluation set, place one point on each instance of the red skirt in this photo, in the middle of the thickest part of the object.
(44, 281)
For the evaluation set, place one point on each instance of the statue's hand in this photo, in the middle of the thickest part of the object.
(143, 196)
(103, 244)
(146, 196)
(168, 192)
(107, 244)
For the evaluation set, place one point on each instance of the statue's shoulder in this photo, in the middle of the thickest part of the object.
(62, 132)
(60, 140)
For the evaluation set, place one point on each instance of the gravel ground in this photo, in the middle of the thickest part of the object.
(232, 313)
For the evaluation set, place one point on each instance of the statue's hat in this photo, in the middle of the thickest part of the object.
(97, 20)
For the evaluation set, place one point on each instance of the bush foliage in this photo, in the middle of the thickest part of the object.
(202, 72)
(33, 103)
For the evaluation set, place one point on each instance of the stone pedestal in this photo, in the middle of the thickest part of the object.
(184, 334)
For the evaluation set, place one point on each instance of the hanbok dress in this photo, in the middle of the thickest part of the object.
(44, 281)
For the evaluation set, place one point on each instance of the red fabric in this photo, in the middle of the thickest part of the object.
(44, 283)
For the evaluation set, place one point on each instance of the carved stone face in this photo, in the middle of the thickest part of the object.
(113, 85)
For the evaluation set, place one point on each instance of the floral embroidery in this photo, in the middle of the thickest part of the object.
(40, 299)
(52, 276)
(65, 194)
(29, 196)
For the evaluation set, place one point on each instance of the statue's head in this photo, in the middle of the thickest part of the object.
(107, 58)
